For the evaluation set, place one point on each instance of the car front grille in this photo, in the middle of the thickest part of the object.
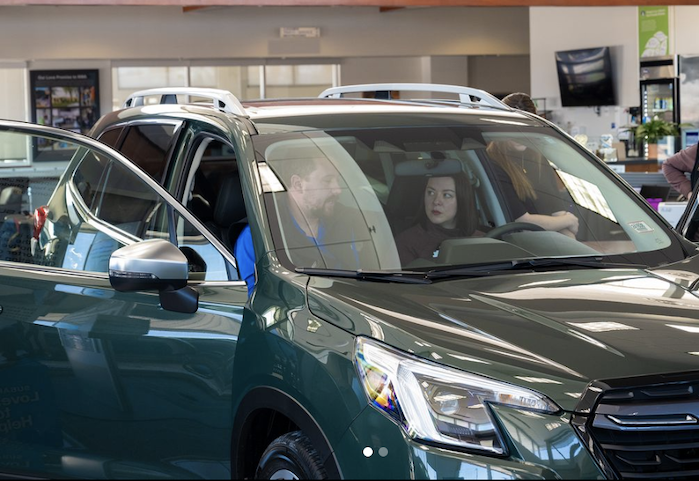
(649, 432)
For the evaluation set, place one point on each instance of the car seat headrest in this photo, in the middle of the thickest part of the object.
(429, 167)
(230, 205)
(10, 195)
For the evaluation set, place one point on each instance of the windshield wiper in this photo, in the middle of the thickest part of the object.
(596, 262)
(474, 270)
(527, 264)
(406, 277)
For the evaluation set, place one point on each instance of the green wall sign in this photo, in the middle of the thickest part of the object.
(653, 31)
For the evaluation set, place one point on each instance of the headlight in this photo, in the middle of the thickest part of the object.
(438, 404)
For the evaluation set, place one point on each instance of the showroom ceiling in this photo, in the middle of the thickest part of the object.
(386, 5)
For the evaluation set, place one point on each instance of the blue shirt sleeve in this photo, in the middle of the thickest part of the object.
(245, 257)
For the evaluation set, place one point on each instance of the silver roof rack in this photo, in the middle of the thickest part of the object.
(466, 94)
(223, 99)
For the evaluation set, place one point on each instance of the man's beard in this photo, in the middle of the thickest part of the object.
(325, 210)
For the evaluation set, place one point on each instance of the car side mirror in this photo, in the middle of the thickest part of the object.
(154, 265)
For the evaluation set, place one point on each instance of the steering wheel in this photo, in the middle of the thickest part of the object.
(501, 231)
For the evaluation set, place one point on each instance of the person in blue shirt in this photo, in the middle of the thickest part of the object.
(245, 256)
(315, 234)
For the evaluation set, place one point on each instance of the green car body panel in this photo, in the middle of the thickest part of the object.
(113, 385)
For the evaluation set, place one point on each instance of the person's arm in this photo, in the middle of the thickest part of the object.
(563, 222)
(245, 257)
(674, 169)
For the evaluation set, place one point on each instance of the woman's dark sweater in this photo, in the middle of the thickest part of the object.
(418, 242)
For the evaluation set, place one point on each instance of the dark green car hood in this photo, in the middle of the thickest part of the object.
(552, 332)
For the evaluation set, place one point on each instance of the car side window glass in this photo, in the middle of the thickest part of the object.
(212, 266)
(89, 176)
(128, 203)
(213, 162)
(213, 193)
(104, 206)
(148, 145)
(111, 137)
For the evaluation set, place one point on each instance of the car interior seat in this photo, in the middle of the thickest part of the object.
(202, 198)
(404, 201)
(230, 216)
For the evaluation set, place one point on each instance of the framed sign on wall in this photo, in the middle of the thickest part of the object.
(67, 99)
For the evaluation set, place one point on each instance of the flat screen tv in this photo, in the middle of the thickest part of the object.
(585, 77)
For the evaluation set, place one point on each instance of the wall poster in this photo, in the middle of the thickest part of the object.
(654, 31)
(67, 99)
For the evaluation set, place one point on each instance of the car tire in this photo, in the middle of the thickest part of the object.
(290, 456)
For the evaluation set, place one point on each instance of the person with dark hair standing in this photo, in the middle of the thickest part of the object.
(520, 101)
(448, 211)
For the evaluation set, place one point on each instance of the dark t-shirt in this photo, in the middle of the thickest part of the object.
(552, 196)
(418, 242)
(514, 204)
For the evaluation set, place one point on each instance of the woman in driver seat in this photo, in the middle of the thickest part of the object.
(448, 211)
(513, 167)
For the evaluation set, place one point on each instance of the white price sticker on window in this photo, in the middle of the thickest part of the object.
(640, 227)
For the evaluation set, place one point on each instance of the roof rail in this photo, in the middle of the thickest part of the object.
(466, 94)
(223, 99)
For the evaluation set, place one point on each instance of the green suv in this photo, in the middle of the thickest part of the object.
(352, 286)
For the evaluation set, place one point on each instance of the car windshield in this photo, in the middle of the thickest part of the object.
(462, 191)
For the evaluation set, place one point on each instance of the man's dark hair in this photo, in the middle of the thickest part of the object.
(289, 167)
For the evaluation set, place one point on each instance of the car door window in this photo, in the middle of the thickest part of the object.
(213, 194)
(212, 160)
(115, 208)
(148, 145)
(102, 206)
(206, 194)
(111, 137)
(122, 209)
(99, 206)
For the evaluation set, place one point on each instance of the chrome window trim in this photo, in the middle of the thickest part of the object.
(58, 271)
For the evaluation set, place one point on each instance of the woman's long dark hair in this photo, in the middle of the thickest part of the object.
(466, 214)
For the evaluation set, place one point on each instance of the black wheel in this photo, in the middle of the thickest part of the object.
(290, 456)
(501, 231)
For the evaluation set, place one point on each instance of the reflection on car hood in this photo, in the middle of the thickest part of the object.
(552, 332)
